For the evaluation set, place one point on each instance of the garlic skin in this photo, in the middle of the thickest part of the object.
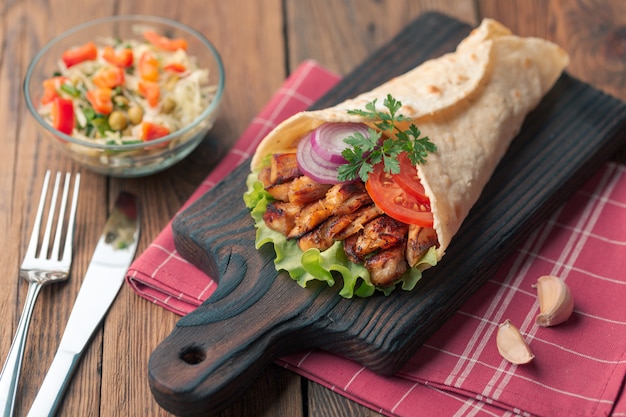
(556, 303)
(512, 345)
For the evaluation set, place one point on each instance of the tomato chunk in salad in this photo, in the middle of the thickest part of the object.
(63, 115)
(122, 58)
(74, 56)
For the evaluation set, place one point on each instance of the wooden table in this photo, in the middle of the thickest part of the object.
(261, 42)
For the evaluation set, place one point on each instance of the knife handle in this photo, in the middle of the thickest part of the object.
(54, 385)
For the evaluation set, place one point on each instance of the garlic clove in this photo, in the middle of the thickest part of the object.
(555, 301)
(512, 345)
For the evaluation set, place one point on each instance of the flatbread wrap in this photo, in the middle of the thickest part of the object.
(465, 107)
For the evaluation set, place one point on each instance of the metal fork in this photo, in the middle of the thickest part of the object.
(40, 269)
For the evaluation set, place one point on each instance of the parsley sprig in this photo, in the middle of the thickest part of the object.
(367, 151)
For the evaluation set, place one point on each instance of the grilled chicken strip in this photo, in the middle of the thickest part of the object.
(308, 218)
(283, 168)
(338, 228)
(279, 191)
(349, 247)
(340, 199)
(381, 233)
(281, 216)
(346, 198)
(384, 240)
(301, 190)
(359, 219)
(323, 236)
(387, 266)
(419, 240)
(304, 190)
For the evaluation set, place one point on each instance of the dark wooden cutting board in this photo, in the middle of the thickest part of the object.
(256, 314)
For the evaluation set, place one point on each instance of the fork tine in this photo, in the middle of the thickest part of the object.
(54, 255)
(34, 236)
(67, 249)
(43, 252)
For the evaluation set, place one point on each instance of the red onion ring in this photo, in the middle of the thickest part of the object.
(328, 139)
(313, 166)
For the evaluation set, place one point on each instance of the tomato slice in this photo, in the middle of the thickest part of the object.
(122, 58)
(408, 180)
(163, 42)
(109, 77)
(50, 88)
(150, 91)
(148, 67)
(86, 52)
(151, 131)
(100, 99)
(395, 201)
(62, 114)
(177, 67)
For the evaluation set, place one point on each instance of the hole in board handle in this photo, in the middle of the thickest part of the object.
(192, 355)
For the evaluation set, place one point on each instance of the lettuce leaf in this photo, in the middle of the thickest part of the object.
(313, 264)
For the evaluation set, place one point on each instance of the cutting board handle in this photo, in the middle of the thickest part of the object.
(216, 351)
(210, 356)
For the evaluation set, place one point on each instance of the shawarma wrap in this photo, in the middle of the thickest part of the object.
(470, 103)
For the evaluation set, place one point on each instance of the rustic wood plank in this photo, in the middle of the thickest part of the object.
(12, 203)
(36, 25)
(593, 34)
(342, 34)
(324, 402)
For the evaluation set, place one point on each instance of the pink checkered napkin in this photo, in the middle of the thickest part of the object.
(579, 366)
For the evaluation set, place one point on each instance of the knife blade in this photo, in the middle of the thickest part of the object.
(104, 277)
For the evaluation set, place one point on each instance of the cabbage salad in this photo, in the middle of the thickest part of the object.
(126, 91)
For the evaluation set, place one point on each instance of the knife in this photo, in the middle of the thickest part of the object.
(114, 252)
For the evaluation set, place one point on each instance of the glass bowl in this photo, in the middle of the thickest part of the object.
(134, 159)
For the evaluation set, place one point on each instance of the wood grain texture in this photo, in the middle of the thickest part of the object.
(342, 36)
(30, 26)
(203, 364)
(323, 402)
(261, 42)
(593, 32)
